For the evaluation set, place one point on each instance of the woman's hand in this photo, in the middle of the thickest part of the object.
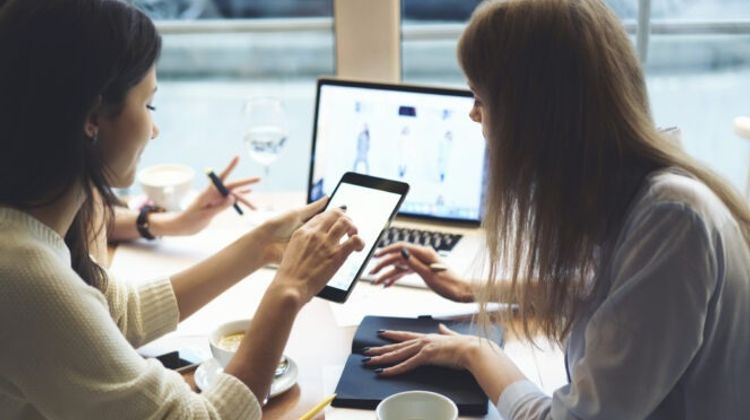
(316, 251)
(277, 231)
(411, 350)
(210, 202)
(405, 258)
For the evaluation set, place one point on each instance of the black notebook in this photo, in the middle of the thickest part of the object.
(360, 387)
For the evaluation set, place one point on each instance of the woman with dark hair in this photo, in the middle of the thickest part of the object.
(610, 239)
(76, 86)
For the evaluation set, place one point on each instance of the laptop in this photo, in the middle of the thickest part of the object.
(416, 134)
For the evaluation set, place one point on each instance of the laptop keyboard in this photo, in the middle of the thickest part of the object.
(440, 241)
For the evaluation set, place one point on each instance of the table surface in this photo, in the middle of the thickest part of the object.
(141, 260)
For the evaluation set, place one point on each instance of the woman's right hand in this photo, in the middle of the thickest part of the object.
(406, 258)
(316, 251)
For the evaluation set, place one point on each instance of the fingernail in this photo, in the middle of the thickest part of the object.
(379, 371)
(343, 207)
(405, 253)
(365, 350)
(381, 332)
(366, 359)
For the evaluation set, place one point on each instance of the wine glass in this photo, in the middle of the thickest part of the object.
(265, 130)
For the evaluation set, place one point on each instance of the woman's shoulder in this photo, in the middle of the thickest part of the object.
(32, 268)
(682, 193)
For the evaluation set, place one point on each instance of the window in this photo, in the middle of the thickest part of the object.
(697, 68)
(219, 53)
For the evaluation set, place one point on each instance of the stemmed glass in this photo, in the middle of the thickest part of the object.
(265, 130)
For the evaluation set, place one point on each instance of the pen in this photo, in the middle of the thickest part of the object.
(318, 408)
(222, 189)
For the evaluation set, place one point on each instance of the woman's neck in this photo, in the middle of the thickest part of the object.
(60, 213)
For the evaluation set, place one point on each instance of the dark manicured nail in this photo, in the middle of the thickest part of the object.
(405, 253)
(381, 332)
(343, 207)
(366, 359)
(379, 371)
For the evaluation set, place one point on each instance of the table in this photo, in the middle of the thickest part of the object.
(140, 260)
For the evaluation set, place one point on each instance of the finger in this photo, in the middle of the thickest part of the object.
(354, 243)
(417, 265)
(324, 221)
(310, 210)
(390, 277)
(443, 329)
(409, 364)
(375, 351)
(242, 182)
(424, 253)
(400, 335)
(228, 170)
(342, 226)
(244, 201)
(405, 352)
(393, 248)
(386, 261)
(393, 280)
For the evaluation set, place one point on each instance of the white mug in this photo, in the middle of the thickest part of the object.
(167, 184)
(417, 405)
(222, 355)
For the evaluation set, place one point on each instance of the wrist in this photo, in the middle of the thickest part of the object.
(287, 295)
(475, 353)
(164, 224)
(144, 222)
(466, 293)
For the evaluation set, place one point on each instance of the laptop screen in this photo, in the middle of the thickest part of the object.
(419, 135)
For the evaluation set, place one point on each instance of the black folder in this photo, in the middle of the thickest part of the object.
(360, 387)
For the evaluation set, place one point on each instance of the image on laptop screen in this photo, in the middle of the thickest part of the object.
(419, 135)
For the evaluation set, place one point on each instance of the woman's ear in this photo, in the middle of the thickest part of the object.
(91, 126)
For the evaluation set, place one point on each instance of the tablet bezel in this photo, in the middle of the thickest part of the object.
(339, 295)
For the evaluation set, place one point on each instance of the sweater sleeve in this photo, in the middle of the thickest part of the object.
(143, 312)
(643, 337)
(63, 355)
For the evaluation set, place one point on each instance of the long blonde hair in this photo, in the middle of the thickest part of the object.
(570, 140)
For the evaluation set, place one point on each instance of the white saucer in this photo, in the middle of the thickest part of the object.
(208, 371)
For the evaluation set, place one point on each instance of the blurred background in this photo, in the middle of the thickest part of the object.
(219, 53)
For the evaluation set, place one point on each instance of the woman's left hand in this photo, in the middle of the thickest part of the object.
(411, 350)
(210, 202)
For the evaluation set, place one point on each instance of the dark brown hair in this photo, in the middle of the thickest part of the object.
(570, 140)
(61, 60)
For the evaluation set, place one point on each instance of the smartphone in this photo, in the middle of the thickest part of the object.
(371, 203)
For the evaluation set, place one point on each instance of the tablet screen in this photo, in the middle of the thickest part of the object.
(370, 209)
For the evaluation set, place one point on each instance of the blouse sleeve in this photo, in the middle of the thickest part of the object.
(143, 312)
(643, 336)
(64, 356)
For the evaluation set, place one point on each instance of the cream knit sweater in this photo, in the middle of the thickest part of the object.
(67, 350)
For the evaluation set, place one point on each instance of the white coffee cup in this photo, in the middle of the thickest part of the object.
(222, 355)
(167, 184)
(417, 405)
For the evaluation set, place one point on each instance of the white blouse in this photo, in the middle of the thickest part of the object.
(669, 336)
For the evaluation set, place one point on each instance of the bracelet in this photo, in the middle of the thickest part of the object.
(141, 223)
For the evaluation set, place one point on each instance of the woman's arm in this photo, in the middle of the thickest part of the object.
(201, 283)
(193, 219)
(315, 252)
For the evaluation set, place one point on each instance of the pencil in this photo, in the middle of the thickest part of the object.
(222, 189)
(318, 408)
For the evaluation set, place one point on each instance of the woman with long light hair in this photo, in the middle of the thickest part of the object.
(610, 239)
